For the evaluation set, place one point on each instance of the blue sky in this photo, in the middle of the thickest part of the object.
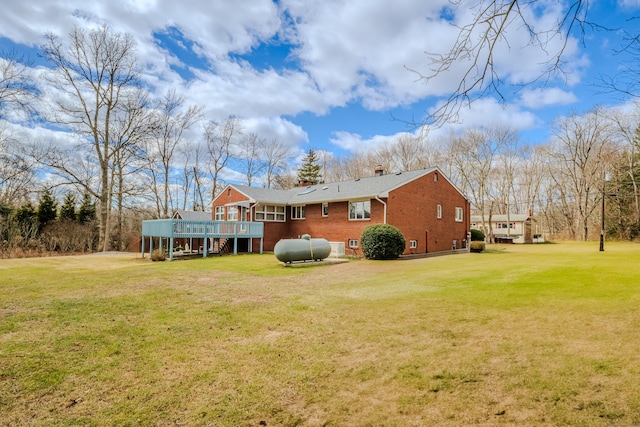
(330, 74)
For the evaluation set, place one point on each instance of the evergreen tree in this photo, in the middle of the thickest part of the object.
(5, 210)
(87, 211)
(309, 172)
(47, 209)
(25, 214)
(68, 209)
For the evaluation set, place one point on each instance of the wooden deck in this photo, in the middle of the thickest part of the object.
(208, 231)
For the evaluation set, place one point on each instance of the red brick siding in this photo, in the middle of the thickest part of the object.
(336, 227)
(412, 208)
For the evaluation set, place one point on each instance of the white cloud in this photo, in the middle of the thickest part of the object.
(277, 128)
(354, 143)
(629, 4)
(487, 113)
(540, 97)
(356, 52)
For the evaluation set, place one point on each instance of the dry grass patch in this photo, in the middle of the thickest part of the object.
(535, 335)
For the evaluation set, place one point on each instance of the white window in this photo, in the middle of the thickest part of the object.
(232, 213)
(360, 210)
(297, 212)
(435, 177)
(270, 213)
(439, 211)
(458, 214)
(413, 244)
(219, 213)
(325, 209)
(353, 243)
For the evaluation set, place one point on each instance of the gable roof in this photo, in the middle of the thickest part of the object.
(363, 188)
(192, 215)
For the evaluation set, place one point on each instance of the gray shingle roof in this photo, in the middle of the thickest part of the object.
(193, 215)
(363, 188)
(501, 218)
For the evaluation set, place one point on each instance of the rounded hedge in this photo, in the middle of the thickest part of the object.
(382, 241)
(477, 235)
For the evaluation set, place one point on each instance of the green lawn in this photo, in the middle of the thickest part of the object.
(520, 335)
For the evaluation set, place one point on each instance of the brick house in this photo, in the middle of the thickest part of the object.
(431, 213)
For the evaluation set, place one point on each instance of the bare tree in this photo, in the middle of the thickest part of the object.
(530, 175)
(579, 152)
(472, 156)
(474, 53)
(220, 140)
(275, 154)
(17, 97)
(625, 173)
(131, 126)
(171, 122)
(505, 167)
(408, 153)
(249, 152)
(93, 74)
(17, 91)
(16, 169)
(626, 81)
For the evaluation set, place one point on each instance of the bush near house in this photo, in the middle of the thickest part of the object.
(158, 255)
(382, 241)
(477, 247)
(477, 235)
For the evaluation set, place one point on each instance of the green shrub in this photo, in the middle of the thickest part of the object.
(477, 247)
(382, 241)
(477, 235)
(158, 255)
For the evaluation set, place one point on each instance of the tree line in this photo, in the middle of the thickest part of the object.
(132, 155)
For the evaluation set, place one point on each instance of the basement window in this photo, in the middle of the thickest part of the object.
(353, 243)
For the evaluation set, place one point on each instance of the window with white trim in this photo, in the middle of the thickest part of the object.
(413, 244)
(353, 243)
(270, 213)
(439, 211)
(325, 209)
(297, 212)
(232, 213)
(458, 214)
(219, 213)
(360, 210)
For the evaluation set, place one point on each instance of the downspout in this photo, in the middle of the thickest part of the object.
(385, 209)
(252, 206)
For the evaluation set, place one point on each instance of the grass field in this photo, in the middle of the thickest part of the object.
(538, 335)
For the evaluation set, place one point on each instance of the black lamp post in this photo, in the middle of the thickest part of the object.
(607, 177)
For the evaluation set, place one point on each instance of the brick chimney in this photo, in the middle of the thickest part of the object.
(379, 171)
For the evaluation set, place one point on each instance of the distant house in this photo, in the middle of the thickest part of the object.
(431, 213)
(513, 228)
